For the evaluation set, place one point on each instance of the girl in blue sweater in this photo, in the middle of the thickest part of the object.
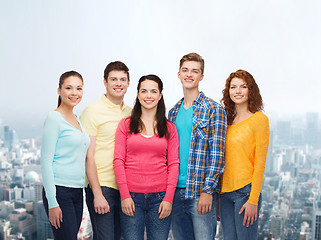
(63, 154)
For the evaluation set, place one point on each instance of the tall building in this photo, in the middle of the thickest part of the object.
(43, 225)
(270, 165)
(8, 137)
(316, 221)
(284, 132)
(312, 129)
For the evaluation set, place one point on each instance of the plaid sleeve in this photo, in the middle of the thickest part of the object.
(217, 132)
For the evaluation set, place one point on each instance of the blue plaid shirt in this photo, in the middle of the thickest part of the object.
(206, 154)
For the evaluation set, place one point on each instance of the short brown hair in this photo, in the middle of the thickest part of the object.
(192, 57)
(116, 66)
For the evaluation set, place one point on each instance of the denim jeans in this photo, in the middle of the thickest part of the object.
(231, 221)
(105, 226)
(146, 214)
(70, 201)
(187, 223)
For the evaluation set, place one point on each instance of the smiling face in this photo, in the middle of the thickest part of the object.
(71, 91)
(149, 94)
(116, 85)
(239, 92)
(190, 74)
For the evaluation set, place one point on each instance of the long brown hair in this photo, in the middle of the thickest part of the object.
(255, 102)
(136, 124)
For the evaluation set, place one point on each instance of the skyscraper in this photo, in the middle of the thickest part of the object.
(8, 137)
(316, 221)
(312, 129)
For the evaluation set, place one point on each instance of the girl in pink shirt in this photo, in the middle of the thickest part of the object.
(146, 164)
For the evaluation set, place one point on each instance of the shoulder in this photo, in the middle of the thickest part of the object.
(127, 110)
(170, 126)
(260, 122)
(176, 106)
(94, 106)
(212, 105)
(53, 121)
(259, 116)
(53, 116)
(125, 122)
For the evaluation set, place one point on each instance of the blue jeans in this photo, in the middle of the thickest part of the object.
(232, 222)
(187, 223)
(70, 201)
(146, 214)
(105, 226)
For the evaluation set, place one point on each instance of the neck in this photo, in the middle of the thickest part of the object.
(149, 115)
(189, 96)
(114, 100)
(66, 110)
(242, 109)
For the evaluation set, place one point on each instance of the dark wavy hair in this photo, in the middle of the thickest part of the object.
(66, 75)
(136, 124)
(255, 102)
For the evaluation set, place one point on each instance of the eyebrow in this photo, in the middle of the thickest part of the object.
(72, 86)
(240, 85)
(150, 89)
(198, 69)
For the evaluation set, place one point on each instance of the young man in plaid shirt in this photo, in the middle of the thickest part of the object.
(201, 125)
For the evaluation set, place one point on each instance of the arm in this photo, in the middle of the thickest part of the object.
(165, 207)
(49, 141)
(100, 203)
(216, 145)
(261, 134)
(91, 125)
(127, 203)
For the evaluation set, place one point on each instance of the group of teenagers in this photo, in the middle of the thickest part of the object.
(144, 172)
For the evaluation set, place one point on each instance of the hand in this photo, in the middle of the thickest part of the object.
(101, 205)
(128, 206)
(204, 203)
(250, 213)
(55, 217)
(165, 209)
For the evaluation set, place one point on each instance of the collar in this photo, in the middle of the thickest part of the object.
(111, 104)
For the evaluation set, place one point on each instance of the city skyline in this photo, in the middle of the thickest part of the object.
(291, 189)
(276, 41)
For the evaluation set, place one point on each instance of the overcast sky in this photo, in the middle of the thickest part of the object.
(277, 41)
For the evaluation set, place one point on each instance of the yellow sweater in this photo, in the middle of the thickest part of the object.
(246, 148)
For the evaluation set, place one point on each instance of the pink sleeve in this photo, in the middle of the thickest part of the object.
(120, 158)
(172, 162)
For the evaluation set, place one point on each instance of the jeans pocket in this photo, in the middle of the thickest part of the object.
(161, 196)
(62, 189)
(132, 195)
(246, 190)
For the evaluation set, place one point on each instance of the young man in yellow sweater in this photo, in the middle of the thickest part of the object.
(100, 120)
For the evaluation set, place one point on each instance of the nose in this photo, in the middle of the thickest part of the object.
(238, 90)
(148, 94)
(118, 82)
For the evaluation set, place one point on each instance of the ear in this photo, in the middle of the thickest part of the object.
(105, 82)
(178, 74)
(202, 77)
(58, 91)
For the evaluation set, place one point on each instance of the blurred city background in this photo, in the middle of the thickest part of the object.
(278, 42)
(291, 206)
